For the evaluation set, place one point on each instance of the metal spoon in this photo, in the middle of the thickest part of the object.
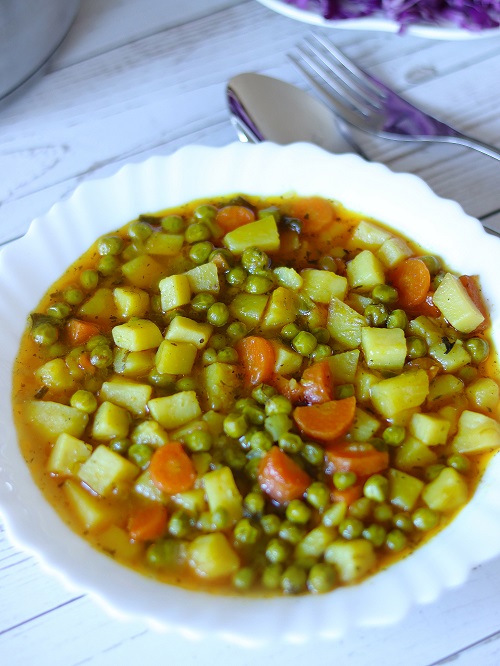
(264, 108)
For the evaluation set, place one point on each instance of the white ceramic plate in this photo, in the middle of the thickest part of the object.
(378, 23)
(401, 200)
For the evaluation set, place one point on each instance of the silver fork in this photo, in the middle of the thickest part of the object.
(368, 104)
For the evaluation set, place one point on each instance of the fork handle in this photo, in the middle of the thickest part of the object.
(468, 141)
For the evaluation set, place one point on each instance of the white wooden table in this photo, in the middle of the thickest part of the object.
(142, 77)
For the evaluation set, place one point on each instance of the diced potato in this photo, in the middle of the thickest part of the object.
(143, 271)
(315, 542)
(150, 433)
(483, 394)
(384, 348)
(166, 245)
(100, 304)
(395, 394)
(183, 329)
(452, 359)
(222, 382)
(55, 374)
(145, 487)
(404, 489)
(248, 308)
(192, 501)
(426, 328)
(204, 278)
(214, 421)
(131, 301)
(288, 277)
(447, 492)
(110, 421)
(128, 394)
(262, 233)
(175, 358)
(133, 364)
(430, 429)
(369, 236)
(452, 298)
(358, 302)
(352, 559)
(321, 286)
(343, 366)
(180, 433)
(67, 454)
(222, 492)
(172, 411)
(92, 513)
(364, 381)
(117, 541)
(476, 433)
(137, 335)
(344, 324)
(105, 471)
(443, 388)
(281, 308)
(365, 425)
(175, 291)
(393, 251)
(212, 557)
(414, 454)
(53, 418)
(365, 271)
(287, 361)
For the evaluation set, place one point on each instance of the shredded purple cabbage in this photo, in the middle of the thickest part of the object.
(467, 14)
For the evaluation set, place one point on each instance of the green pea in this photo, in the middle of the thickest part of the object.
(291, 442)
(236, 276)
(321, 352)
(120, 445)
(199, 440)
(344, 391)
(468, 374)
(351, 528)
(179, 524)
(236, 331)
(361, 508)
(425, 519)
(382, 512)
(244, 578)
(403, 521)
(260, 441)
(140, 455)
(433, 263)
(85, 401)
(245, 532)
(327, 263)
(397, 319)
(322, 578)
(205, 213)
(218, 341)
(304, 343)
(298, 512)
(228, 355)
(415, 347)
(44, 334)
(254, 503)
(344, 480)
(291, 532)
(172, 224)
(108, 265)
(314, 454)
(186, 384)
(289, 331)
(109, 245)
(57, 350)
(478, 349)
(235, 425)
(376, 314)
(254, 260)
(200, 252)
(433, 471)
(459, 462)
(396, 540)
(263, 392)
(394, 435)
(270, 524)
(218, 314)
(257, 284)
(376, 487)
(59, 310)
(139, 231)
(234, 458)
(294, 579)
(102, 356)
(196, 232)
(278, 404)
(162, 380)
(271, 576)
(164, 553)
(321, 334)
(318, 495)
(73, 296)
(89, 279)
(384, 293)
(376, 534)
(254, 414)
(277, 425)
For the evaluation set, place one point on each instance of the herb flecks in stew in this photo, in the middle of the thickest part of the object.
(257, 395)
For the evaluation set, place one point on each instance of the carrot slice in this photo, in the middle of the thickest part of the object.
(171, 469)
(326, 421)
(281, 478)
(426, 307)
(85, 364)
(290, 388)
(470, 282)
(257, 357)
(362, 459)
(79, 332)
(412, 279)
(148, 522)
(317, 382)
(315, 212)
(233, 216)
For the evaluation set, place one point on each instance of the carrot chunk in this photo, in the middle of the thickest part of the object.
(233, 216)
(315, 212)
(362, 459)
(281, 478)
(171, 469)
(317, 383)
(326, 421)
(79, 332)
(412, 279)
(257, 357)
(147, 523)
(470, 282)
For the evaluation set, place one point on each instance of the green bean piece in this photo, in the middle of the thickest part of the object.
(108, 265)
(200, 252)
(478, 348)
(294, 579)
(179, 524)
(44, 334)
(376, 487)
(270, 524)
(397, 319)
(415, 347)
(376, 314)
(313, 453)
(254, 260)
(110, 245)
(196, 232)
(198, 440)
(236, 276)
(304, 343)
(425, 519)
(344, 480)
(102, 356)
(243, 579)
(235, 425)
(218, 314)
(289, 331)
(139, 231)
(376, 534)
(403, 521)
(85, 401)
(172, 224)
(394, 435)
(396, 540)
(277, 551)
(245, 532)
(384, 293)
(89, 279)
(318, 495)
(202, 302)
(322, 578)
(459, 462)
(73, 296)
(290, 442)
(432, 262)
(271, 576)
(59, 310)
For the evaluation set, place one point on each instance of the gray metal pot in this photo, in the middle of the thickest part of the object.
(30, 32)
